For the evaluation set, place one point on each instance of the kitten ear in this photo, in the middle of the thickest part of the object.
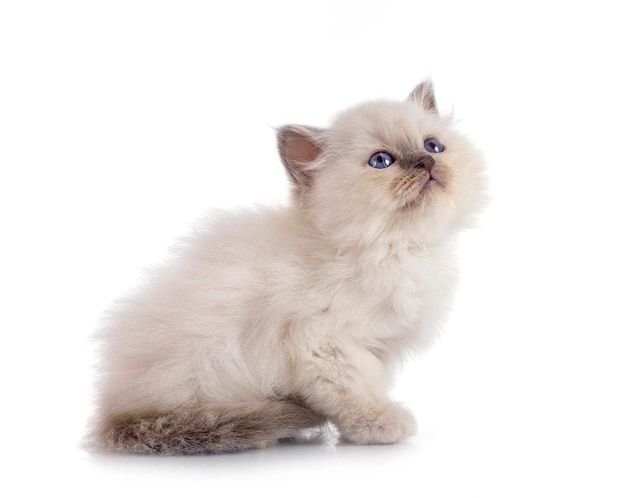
(298, 147)
(424, 95)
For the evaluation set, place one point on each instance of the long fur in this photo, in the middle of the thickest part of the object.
(192, 431)
(267, 322)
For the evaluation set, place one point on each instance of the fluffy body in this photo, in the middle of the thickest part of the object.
(271, 321)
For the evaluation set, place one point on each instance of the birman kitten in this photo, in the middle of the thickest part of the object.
(271, 321)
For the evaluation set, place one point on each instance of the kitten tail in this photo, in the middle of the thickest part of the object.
(193, 431)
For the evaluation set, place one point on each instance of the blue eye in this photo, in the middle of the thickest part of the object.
(433, 146)
(381, 160)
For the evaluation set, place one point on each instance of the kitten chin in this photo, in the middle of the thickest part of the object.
(269, 322)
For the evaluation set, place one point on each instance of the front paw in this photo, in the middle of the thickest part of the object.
(391, 425)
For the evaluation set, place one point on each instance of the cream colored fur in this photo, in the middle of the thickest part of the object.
(309, 306)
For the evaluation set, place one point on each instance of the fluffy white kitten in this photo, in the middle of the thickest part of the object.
(277, 320)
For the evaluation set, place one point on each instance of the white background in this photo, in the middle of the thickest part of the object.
(123, 122)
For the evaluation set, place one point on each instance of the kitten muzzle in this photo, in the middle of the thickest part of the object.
(423, 161)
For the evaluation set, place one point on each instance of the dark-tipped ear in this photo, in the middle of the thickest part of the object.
(298, 147)
(424, 95)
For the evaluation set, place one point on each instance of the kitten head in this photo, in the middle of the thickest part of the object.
(385, 168)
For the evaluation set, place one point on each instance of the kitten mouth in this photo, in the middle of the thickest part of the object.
(413, 188)
(433, 178)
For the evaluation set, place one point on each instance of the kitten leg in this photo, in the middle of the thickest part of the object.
(348, 388)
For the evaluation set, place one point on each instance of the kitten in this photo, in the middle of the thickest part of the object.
(269, 322)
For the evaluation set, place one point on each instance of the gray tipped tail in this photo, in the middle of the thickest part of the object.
(205, 430)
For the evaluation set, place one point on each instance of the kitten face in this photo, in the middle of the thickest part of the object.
(386, 164)
(414, 179)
